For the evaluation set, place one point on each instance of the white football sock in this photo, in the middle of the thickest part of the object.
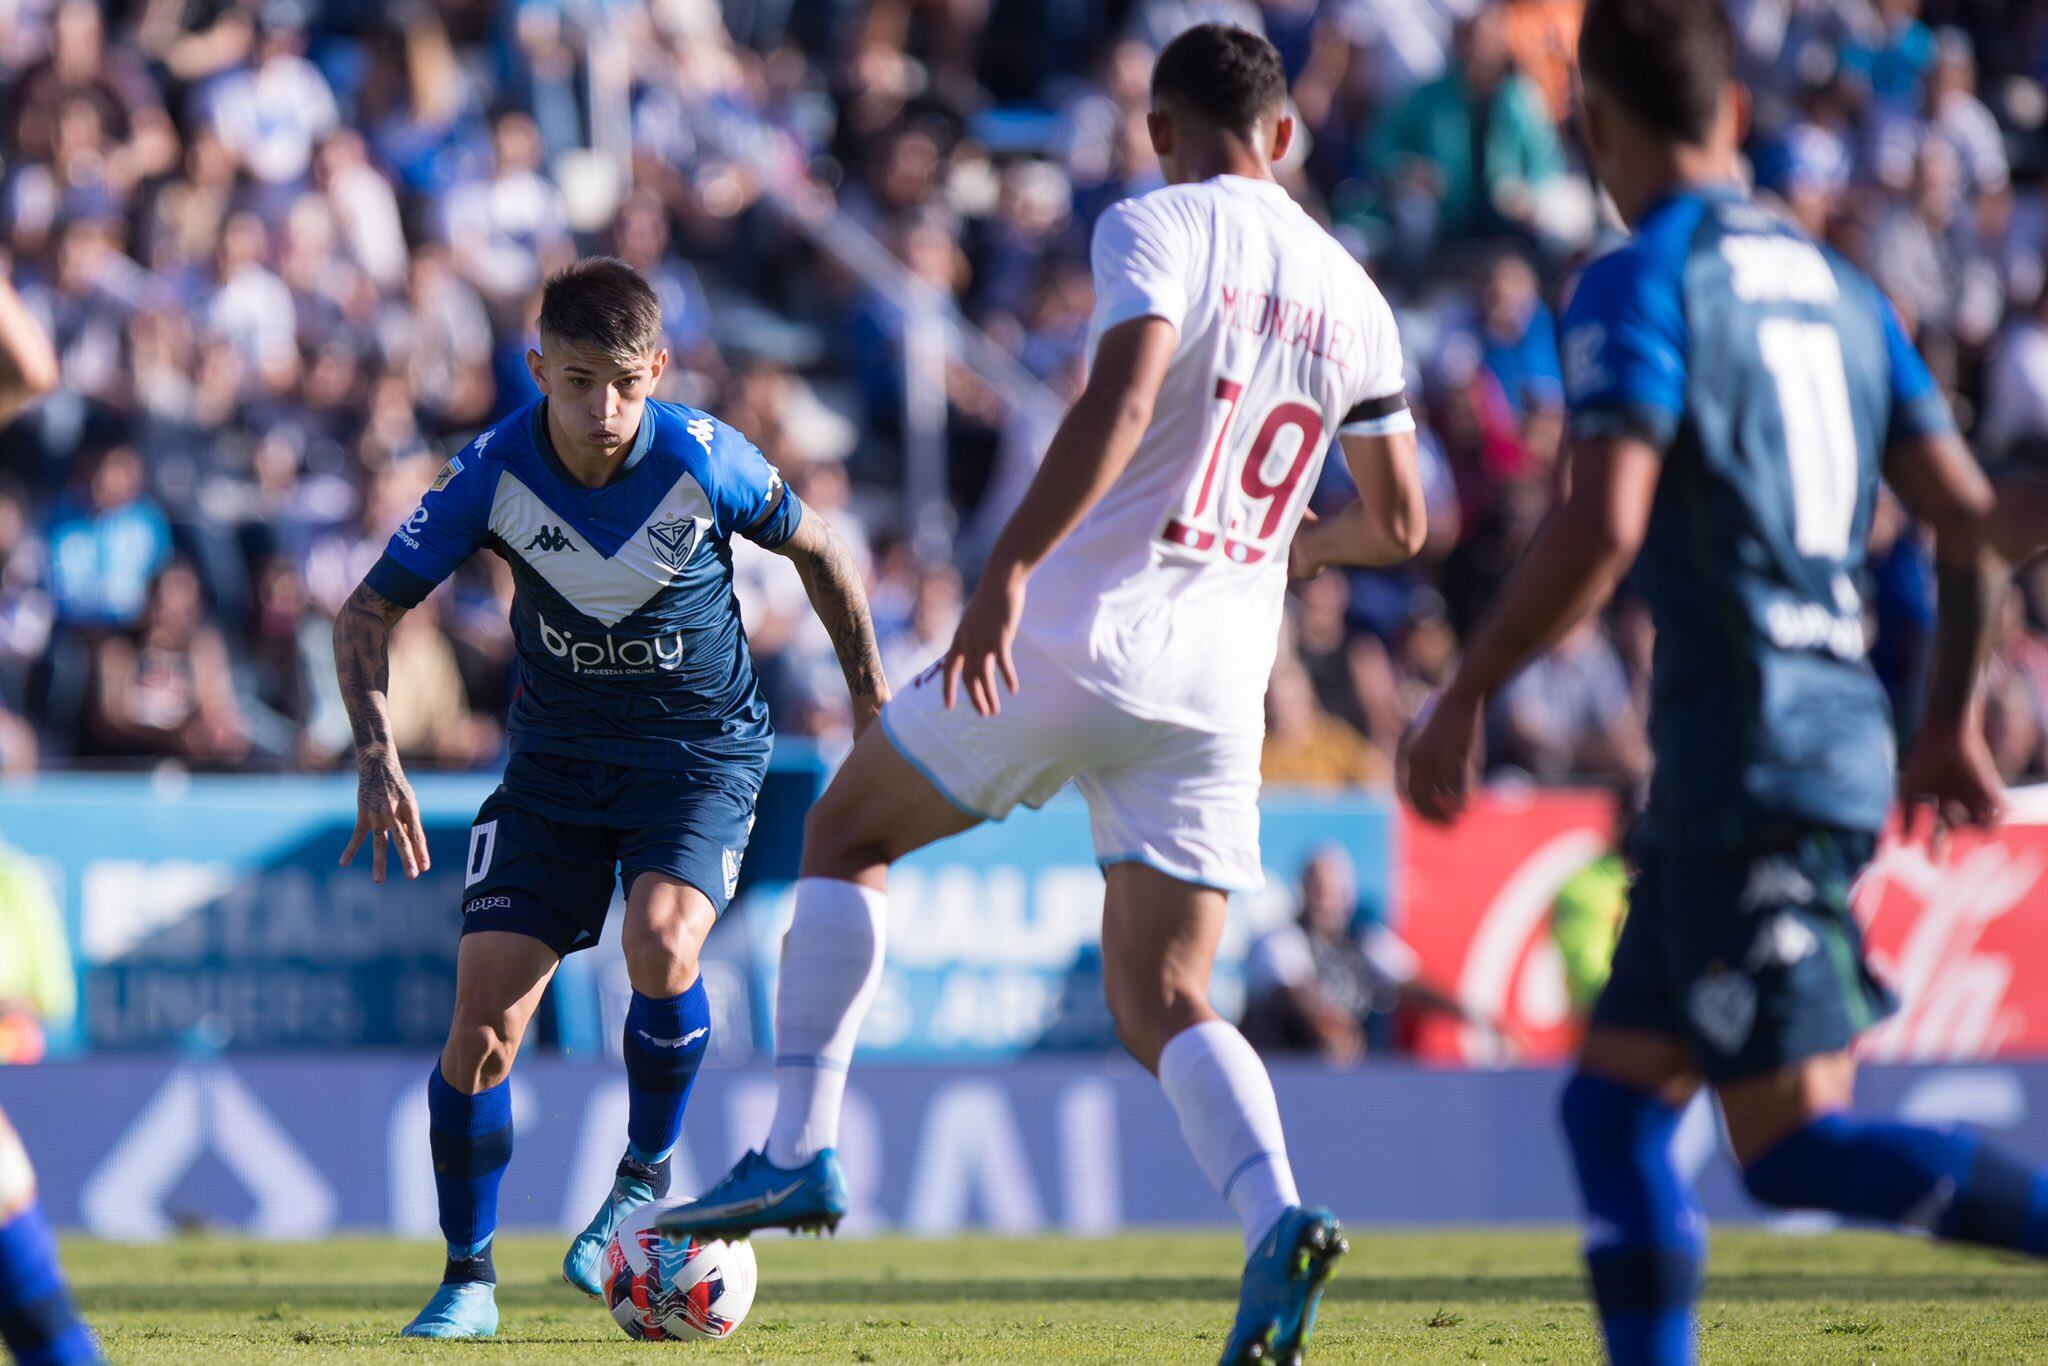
(1231, 1122)
(831, 964)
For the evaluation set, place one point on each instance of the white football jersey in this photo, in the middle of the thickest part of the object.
(1168, 596)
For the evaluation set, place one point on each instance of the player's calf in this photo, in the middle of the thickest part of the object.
(1646, 1240)
(37, 1320)
(1946, 1182)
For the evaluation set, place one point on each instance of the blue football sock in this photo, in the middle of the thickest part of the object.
(666, 1038)
(37, 1320)
(472, 1141)
(1950, 1183)
(1646, 1240)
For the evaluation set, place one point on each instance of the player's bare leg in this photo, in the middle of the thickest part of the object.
(667, 1034)
(499, 980)
(1159, 938)
(877, 809)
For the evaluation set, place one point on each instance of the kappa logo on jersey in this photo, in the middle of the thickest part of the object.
(675, 540)
(483, 440)
(702, 430)
(550, 538)
(448, 473)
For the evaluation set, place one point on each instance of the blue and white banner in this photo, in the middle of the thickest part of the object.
(301, 1146)
(210, 914)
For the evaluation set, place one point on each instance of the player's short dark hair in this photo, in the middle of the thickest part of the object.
(1228, 75)
(1666, 61)
(602, 302)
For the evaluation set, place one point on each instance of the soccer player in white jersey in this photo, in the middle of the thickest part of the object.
(1120, 637)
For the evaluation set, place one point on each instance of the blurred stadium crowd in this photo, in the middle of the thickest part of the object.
(290, 252)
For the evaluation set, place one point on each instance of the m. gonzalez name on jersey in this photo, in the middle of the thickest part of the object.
(629, 638)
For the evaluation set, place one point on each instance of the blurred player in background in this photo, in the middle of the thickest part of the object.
(639, 737)
(1736, 392)
(1233, 339)
(37, 1320)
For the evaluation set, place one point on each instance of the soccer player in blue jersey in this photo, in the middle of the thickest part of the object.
(37, 1320)
(639, 737)
(1736, 393)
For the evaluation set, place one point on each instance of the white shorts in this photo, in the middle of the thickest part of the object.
(1180, 800)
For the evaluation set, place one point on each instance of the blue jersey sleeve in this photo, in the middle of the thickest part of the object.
(1919, 408)
(448, 526)
(748, 497)
(1624, 349)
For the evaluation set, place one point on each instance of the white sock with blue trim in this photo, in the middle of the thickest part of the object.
(1231, 1122)
(831, 965)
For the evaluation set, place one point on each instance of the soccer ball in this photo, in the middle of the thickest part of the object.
(658, 1290)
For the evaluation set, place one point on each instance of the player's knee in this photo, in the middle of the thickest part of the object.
(1149, 1007)
(836, 841)
(481, 1047)
(661, 955)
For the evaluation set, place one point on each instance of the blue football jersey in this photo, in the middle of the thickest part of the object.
(630, 645)
(1772, 375)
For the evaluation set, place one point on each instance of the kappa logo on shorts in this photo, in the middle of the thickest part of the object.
(1723, 1006)
(487, 903)
(1775, 882)
(732, 872)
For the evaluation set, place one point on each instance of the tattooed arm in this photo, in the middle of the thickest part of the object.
(833, 583)
(386, 811)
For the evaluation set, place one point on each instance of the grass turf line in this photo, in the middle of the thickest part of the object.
(1400, 1297)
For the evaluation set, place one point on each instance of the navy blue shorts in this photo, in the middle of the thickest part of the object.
(1750, 955)
(551, 844)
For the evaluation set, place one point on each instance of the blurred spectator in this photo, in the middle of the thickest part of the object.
(1571, 716)
(431, 719)
(1330, 981)
(509, 229)
(1305, 746)
(164, 689)
(107, 542)
(1467, 155)
(2016, 696)
(272, 113)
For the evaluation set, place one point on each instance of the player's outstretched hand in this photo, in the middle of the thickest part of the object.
(1436, 763)
(979, 657)
(1949, 777)
(387, 813)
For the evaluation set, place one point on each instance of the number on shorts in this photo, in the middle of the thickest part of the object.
(1244, 516)
(483, 842)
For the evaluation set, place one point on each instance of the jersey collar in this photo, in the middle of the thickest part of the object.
(544, 442)
(1711, 193)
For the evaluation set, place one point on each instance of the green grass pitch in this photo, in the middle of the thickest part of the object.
(1399, 1297)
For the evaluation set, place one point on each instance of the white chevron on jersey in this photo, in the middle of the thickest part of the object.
(606, 588)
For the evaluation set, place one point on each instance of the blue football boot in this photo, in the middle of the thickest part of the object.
(467, 1309)
(637, 1184)
(1283, 1285)
(758, 1194)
